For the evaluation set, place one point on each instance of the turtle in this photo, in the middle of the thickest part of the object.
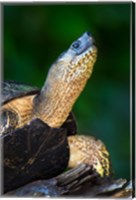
(38, 128)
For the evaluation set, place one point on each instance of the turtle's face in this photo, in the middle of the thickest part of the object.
(78, 59)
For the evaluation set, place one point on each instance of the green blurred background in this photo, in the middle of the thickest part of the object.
(34, 35)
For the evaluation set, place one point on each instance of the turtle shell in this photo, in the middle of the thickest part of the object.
(12, 90)
(35, 151)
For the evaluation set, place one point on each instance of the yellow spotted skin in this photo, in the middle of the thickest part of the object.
(88, 150)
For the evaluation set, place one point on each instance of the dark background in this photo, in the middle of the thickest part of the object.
(34, 35)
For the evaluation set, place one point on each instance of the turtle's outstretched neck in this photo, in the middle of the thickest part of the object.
(66, 80)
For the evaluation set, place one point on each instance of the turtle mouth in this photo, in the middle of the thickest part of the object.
(83, 43)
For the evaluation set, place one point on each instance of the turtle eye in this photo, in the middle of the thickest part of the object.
(76, 44)
(77, 47)
(82, 44)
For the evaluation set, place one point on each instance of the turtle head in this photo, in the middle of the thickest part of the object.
(65, 81)
(77, 62)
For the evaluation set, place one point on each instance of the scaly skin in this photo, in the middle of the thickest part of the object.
(65, 81)
(88, 150)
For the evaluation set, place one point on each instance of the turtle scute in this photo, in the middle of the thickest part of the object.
(13, 89)
(33, 152)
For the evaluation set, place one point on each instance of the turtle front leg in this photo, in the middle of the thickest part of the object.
(89, 150)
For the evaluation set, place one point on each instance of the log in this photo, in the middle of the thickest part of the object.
(81, 181)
